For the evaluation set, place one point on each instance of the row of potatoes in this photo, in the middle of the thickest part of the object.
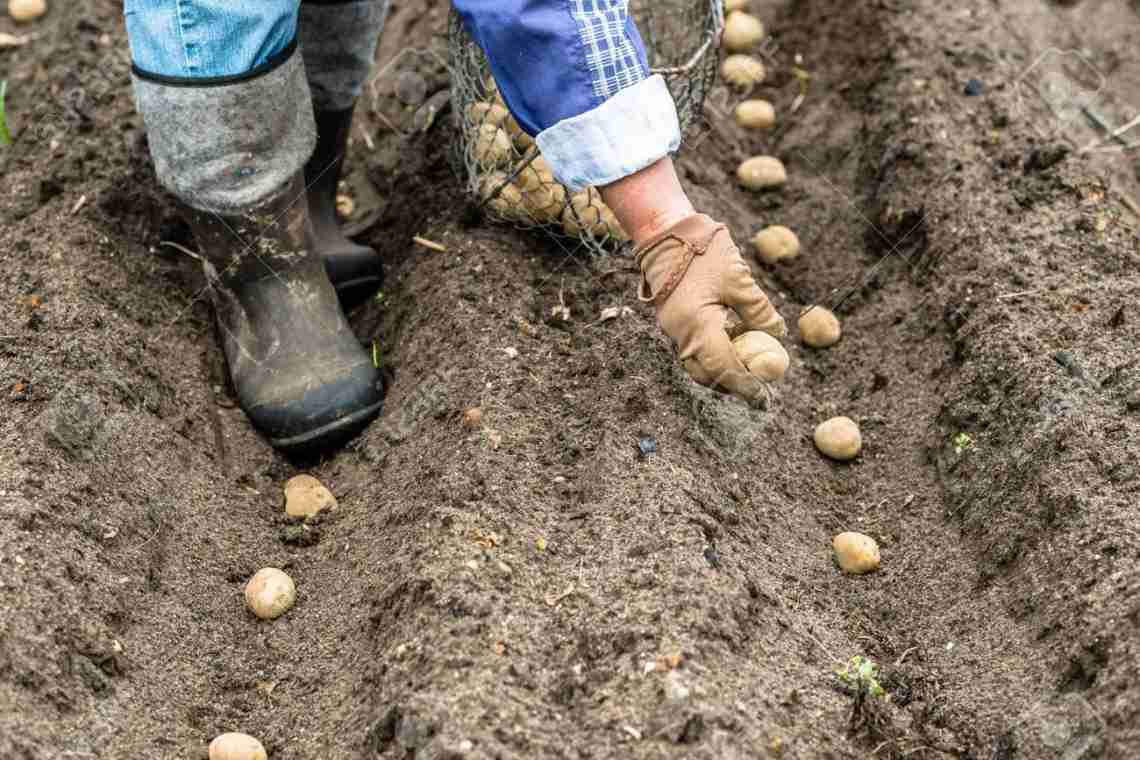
(531, 194)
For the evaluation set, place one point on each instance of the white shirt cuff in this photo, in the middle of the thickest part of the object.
(633, 129)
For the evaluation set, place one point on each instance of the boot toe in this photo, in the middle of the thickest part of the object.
(312, 416)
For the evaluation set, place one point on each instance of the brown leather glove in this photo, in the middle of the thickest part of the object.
(691, 272)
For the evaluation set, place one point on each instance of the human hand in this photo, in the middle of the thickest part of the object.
(691, 272)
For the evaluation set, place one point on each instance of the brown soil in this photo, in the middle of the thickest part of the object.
(525, 589)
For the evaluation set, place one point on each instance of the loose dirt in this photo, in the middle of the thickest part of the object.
(614, 563)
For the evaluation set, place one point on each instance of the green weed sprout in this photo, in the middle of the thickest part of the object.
(5, 135)
(861, 674)
(962, 442)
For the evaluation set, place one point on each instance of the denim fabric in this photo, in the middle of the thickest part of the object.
(207, 38)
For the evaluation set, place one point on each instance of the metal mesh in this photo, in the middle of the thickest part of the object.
(500, 163)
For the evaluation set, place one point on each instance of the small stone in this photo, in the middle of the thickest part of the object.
(839, 438)
(646, 445)
(856, 553)
(270, 593)
(26, 10)
(236, 746)
(305, 496)
(675, 689)
(974, 87)
(775, 243)
(503, 569)
(819, 328)
(473, 417)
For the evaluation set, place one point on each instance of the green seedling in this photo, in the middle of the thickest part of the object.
(861, 675)
(378, 299)
(962, 442)
(5, 135)
(376, 354)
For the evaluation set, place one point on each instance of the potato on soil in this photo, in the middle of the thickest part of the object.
(735, 5)
(819, 328)
(488, 113)
(856, 552)
(775, 243)
(755, 114)
(235, 746)
(305, 496)
(764, 356)
(839, 438)
(742, 71)
(26, 10)
(492, 146)
(761, 172)
(742, 31)
(270, 593)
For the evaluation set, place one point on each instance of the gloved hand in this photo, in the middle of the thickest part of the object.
(690, 272)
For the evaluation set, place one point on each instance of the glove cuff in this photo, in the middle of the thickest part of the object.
(665, 258)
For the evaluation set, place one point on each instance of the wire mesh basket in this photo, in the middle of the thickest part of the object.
(501, 165)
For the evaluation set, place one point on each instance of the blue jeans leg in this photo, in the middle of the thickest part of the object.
(204, 39)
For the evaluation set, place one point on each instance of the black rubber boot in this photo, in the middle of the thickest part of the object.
(355, 270)
(300, 374)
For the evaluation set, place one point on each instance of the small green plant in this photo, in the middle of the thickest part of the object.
(861, 675)
(5, 135)
(962, 442)
(378, 299)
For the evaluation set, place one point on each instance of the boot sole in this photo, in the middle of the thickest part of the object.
(343, 428)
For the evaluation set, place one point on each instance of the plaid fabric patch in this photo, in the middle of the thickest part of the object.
(610, 55)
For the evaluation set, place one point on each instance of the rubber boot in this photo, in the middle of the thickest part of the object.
(355, 270)
(299, 372)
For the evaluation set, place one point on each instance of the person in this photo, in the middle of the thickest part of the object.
(247, 108)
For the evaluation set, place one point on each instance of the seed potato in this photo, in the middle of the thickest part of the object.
(755, 114)
(775, 243)
(270, 593)
(492, 146)
(839, 438)
(741, 32)
(305, 496)
(764, 356)
(235, 746)
(508, 203)
(735, 5)
(488, 113)
(819, 328)
(742, 71)
(26, 10)
(761, 173)
(856, 552)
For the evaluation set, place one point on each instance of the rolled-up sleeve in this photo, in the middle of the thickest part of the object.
(574, 75)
